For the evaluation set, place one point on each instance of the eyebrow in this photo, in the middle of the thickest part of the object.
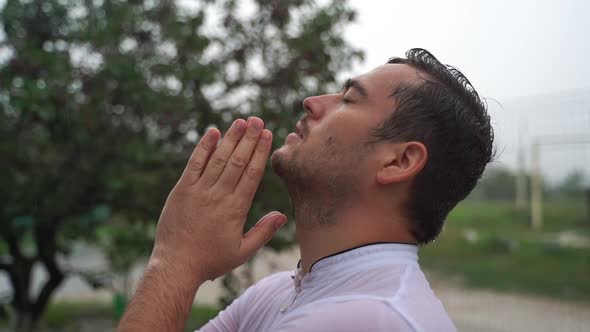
(354, 83)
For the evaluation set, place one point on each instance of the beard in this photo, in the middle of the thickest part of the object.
(321, 182)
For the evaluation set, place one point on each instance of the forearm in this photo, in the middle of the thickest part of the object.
(163, 299)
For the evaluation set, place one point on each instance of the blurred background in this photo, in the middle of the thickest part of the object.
(102, 101)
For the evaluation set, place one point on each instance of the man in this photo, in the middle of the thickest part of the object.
(372, 172)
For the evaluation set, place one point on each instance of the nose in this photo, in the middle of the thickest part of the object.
(314, 107)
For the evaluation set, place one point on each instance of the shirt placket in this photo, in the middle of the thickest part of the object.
(297, 283)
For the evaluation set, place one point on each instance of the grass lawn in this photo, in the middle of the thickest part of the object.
(490, 245)
(65, 316)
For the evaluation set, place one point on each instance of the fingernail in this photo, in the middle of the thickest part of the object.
(269, 215)
(266, 216)
(211, 136)
(265, 136)
(256, 123)
(280, 222)
(240, 125)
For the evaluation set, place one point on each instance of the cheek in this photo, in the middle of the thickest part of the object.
(339, 131)
(349, 126)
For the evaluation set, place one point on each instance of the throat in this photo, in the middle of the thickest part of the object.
(326, 227)
(322, 228)
(316, 210)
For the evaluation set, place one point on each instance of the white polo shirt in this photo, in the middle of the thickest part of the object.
(375, 287)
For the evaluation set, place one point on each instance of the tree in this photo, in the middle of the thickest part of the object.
(102, 101)
(498, 183)
(571, 187)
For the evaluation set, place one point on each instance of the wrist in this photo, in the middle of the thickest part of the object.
(163, 297)
(178, 270)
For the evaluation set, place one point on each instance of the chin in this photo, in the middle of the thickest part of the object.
(282, 159)
(282, 152)
(278, 161)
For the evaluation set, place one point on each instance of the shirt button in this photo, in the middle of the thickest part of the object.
(283, 308)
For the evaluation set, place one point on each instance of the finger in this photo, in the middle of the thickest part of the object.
(261, 233)
(251, 177)
(219, 158)
(198, 160)
(241, 155)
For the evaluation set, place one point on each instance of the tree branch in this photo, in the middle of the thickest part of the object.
(45, 237)
(55, 279)
(12, 242)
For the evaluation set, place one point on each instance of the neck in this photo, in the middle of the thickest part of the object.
(327, 228)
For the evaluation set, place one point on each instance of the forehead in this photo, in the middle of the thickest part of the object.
(382, 81)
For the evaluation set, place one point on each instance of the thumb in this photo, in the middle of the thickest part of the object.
(261, 233)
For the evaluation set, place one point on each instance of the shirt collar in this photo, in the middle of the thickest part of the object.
(366, 251)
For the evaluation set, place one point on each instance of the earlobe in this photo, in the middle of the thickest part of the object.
(403, 163)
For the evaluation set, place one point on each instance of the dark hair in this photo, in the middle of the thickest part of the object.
(447, 115)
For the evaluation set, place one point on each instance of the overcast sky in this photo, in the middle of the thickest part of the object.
(506, 48)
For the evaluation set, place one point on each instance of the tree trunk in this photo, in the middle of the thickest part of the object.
(24, 322)
(20, 273)
(29, 310)
(45, 238)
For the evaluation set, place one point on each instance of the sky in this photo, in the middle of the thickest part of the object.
(530, 59)
(506, 48)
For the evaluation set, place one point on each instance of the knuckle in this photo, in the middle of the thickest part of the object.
(254, 172)
(216, 195)
(261, 147)
(238, 161)
(205, 146)
(217, 161)
(196, 166)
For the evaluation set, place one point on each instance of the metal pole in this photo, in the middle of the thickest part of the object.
(536, 189)
(520, 183)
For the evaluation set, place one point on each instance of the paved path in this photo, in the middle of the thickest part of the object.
(487, 311)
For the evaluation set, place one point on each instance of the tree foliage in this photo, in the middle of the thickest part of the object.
(499, 184)
(101, 102)
(571, 187)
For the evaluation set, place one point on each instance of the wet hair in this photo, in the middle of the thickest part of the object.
(446, 114)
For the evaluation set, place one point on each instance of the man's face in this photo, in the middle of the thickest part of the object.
(331, 153)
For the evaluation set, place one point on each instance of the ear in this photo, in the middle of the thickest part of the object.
(402, 162)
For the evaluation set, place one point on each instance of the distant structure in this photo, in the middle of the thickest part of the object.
(549, 132)
(536, 178)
